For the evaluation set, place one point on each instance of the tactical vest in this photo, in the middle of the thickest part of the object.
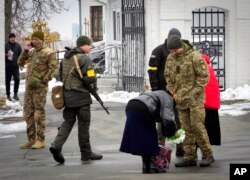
(72, 82)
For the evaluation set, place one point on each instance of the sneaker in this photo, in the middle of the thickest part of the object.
(38, 145)
(27, 145)
(93, 156)
(186, 163)
(16, 97)
(57, 155)
(206, 161)
(9, 98)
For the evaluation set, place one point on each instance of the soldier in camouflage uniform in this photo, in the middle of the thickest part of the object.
(187, 74)
(77, 100)
(41, 68)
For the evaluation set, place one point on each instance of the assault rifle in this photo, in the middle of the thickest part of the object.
(97, 97)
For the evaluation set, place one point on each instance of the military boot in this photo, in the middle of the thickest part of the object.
(186, 163)
(38, 145)
(206, 161)
(92, 156)
(57, 154)
(27, 145)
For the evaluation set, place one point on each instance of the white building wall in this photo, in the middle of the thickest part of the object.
(2, 61)
(243, 41)
(112, 5)
(162, 15)
(152, 29)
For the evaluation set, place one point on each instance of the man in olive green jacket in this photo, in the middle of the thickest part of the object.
(41, 68)
(77, 100)
(187, 74)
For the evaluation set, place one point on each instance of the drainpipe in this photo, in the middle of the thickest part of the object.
(80, 17)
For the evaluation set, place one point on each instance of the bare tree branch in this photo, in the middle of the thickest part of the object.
(20, 14)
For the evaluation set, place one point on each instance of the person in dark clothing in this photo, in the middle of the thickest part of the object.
(12, 52)
(77, 100)
(140, 135)
(157, 80)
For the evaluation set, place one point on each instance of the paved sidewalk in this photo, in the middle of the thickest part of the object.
(106, 133)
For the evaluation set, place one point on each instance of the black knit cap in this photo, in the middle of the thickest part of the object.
(11, 35)
(174, 42)
(83, 40)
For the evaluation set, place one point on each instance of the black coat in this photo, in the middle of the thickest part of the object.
(157, 63)
(17, 50)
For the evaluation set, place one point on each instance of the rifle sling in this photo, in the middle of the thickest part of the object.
(78, 67)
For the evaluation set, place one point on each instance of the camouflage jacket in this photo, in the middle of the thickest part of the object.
(187, 76)
(42, 66)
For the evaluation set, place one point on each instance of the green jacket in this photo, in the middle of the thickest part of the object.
(75, 92)
(186, 76)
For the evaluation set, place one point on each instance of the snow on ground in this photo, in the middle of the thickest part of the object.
(118, 96)
(14, 109)
(242, 92)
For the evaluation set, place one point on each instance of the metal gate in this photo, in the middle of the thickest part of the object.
(208, 32)
(133, 41)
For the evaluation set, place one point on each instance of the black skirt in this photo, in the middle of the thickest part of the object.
(140, 135)
(212, 125)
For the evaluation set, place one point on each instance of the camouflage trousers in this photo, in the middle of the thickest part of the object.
(70, 115)
(34, 113)
(192, 121)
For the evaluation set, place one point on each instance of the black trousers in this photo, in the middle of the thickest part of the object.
(12, 70)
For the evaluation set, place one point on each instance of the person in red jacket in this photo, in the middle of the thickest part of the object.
(212, 105)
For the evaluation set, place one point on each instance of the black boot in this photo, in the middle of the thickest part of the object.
(9, 98)
(16, 97)
(146, 164)
(57, 154)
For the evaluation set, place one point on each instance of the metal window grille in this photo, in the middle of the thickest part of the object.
(133, 41)
(208, 33)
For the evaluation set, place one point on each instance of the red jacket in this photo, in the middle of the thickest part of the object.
(212, 89)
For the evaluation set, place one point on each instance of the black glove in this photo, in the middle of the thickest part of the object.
(168, 128)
